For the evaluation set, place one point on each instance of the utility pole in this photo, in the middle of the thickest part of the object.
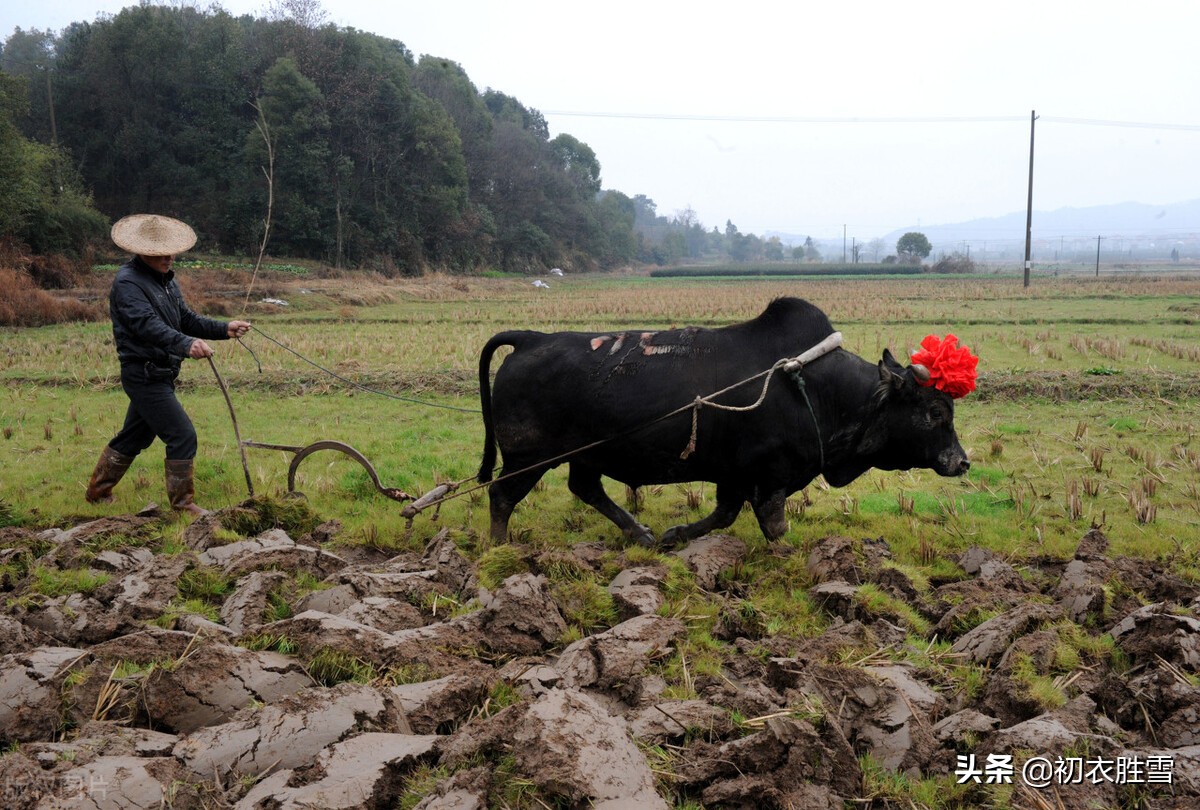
(843, 243)
(1098, 238)
(1029, 204)
(53, 126)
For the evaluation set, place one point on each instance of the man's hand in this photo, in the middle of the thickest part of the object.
(238, 328)
(199, 350)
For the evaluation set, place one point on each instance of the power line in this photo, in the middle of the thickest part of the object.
(1099, 122)
(866, 119)
(774, 119)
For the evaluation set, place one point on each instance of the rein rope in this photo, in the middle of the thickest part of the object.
(446, 491)
(352, 383)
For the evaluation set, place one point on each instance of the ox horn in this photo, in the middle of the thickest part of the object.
(920, 372)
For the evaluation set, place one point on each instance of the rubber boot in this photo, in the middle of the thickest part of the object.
(180, 487)
(110, 469)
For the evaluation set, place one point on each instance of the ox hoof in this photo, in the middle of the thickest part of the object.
(643, 537)
(674, 537)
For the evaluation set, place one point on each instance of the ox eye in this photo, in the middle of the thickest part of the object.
(936, 414)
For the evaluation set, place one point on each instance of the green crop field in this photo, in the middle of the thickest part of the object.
(1085, 411)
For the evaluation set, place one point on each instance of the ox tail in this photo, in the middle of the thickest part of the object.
(488, 464)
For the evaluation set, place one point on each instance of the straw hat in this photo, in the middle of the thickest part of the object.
(153, 235)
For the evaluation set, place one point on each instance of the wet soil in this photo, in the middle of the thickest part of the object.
(400, 680)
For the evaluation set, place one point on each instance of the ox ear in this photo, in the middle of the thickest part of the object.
(891, 373)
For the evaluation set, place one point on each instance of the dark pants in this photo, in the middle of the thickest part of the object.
(153, 412)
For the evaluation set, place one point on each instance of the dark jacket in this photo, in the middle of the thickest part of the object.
(150, 320)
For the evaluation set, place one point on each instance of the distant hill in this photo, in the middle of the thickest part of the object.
(1140, 229)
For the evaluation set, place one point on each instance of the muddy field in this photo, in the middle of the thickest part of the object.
(401, 682)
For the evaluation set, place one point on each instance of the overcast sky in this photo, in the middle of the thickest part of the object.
(746, 110)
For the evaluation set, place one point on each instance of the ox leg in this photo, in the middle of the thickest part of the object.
(772, 517)
(584, 483)
(503, 497)
(729, 504)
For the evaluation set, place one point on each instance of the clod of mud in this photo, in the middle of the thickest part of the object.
(638, 591)
(364, 771)
(213, 682)
(1081, 591)
(465, 790)
(990, 640)
(386, 614)
(122, 605)
(1155, 631)
(674, 719)
(127, 782)
(312, 632)
(70, 545)
(842, 558)
(454, 570)
(964, 727)
(571, 748)
(16, 636)
(97, 739)
(290, 732)
(431, 706)
(244, 609)
(708, 556)
(1056, 731)
(30, 686)
(520, 617)
(613, 659)
(271, 549)
(787, 764)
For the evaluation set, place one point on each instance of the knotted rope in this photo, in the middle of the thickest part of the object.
(792, 365)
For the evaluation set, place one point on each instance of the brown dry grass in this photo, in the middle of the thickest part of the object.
(23, 303)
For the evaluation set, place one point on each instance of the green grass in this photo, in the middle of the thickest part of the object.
(53, 582)
(330, 667)
(498, 564)
(205, 584)
(61, 402)
(935, 793)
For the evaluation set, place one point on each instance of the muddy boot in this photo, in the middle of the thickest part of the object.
(180, 488)
(110, 469)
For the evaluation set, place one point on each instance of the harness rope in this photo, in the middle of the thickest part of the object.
(352, 383)
(451, 490)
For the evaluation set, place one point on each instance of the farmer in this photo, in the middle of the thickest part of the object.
(154, 331)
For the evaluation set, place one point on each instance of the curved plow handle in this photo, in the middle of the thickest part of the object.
(304, 452)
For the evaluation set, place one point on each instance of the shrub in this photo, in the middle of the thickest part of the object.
(954, 263)
(22, 303)
(52, 272)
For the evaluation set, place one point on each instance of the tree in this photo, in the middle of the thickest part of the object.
(31, 54)
(293, 106)
(773, 249)
(580, 164)
(42, 200)
(913, 247)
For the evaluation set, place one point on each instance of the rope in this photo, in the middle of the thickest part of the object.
(449, 491)
(359, 386)
(816, 425)
(700, 402)
(793, 365)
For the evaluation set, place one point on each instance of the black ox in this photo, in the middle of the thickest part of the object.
(558, 393)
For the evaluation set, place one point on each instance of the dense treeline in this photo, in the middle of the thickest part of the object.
(367, 157)
(357, 154)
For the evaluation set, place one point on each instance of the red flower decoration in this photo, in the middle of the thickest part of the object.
(951, 368)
